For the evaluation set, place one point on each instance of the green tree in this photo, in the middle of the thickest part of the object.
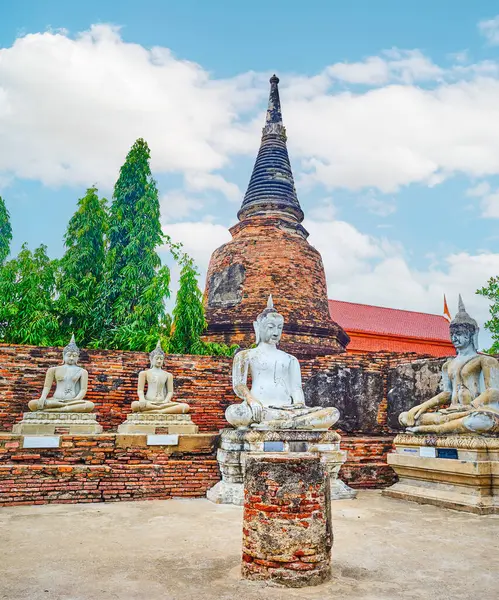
(135, 285)
(27, 290)
(82, 270)
(5, 231)
(189, 322)
(491, 291)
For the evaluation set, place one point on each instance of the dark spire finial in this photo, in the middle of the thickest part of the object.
(271, 189)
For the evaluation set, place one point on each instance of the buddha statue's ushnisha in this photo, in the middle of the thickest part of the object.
(71, 385)
(158, 398)
(275, 400)
(470, 384)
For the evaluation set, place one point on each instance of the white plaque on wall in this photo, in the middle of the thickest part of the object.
(41, 441)
(162, 440)
(430, 452)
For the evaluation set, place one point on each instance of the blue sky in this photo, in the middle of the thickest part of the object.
(392, 117)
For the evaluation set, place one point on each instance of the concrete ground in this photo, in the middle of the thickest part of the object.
(383, 549)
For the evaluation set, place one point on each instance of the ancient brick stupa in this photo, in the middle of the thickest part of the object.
(270, 254)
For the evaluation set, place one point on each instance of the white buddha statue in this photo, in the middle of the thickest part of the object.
(158, 398)
(71, 385)
(275, 400)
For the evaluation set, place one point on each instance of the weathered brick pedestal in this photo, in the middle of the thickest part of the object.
(287, 532)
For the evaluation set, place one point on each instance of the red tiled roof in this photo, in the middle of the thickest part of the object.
(366, 342)
(389, 321)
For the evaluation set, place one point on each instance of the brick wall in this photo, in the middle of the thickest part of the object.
(202, 381)
(100, 471)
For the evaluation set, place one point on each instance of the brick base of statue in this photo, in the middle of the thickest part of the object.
(287, 531)
(50, 423)
(453, 471)
(157, 423)
(235, 444)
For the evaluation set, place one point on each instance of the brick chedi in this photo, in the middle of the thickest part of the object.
(270, 254)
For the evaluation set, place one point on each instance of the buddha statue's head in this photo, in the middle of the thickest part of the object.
(71, 353)
(268, 325)
(157, 356)
(463, 329)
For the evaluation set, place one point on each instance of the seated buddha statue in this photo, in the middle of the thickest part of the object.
(469, 401)
(158, 398)
(275, 400)
(71, 385)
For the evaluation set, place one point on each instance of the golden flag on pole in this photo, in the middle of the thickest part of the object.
(446, 310)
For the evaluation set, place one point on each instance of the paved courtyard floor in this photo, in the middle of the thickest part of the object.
(383, 549)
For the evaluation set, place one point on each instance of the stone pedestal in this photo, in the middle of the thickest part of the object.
(153, 423)
(454, 471)
(235, 444)
(287, 532)
(50, 423)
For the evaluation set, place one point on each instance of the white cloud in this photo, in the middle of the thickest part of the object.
(490, 206)
(480, 189)
(199, 239)
(176, 205)
(324, 209)
(382, 207)
(371, 270)
(209, 181)
(489, 202)
(396, 135)
(406, 66)
(71, 108)
(489, 28)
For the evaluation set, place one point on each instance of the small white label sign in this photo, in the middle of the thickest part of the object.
(430, 452)
(409, 450)
(162, 440)
(41, 441)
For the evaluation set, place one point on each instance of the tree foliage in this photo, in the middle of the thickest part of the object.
(189, 322)
(110, 287)
(135, 285)
(82, 269)
(5, 231)
(491, 291)
(27, 290)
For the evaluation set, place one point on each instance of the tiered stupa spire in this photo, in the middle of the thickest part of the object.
(271, 190)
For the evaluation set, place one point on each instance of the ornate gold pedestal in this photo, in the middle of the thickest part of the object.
(467, 482)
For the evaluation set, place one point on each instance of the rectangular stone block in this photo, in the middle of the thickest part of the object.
(469, 486)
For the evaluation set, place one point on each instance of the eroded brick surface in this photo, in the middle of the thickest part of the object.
(274, 257)
(287, 533)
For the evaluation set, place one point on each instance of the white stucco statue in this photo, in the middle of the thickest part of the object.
(71, 385)
(275, 400)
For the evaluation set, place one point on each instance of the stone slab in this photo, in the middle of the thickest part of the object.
(50, 423)
(157, 423)
(465, 485)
